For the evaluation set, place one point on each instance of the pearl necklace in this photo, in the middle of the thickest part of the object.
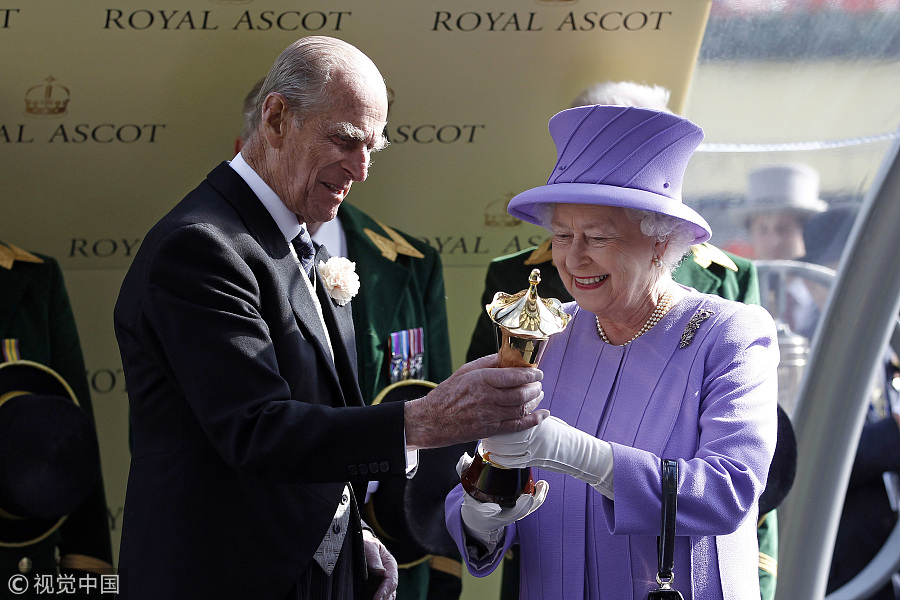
(659, 312)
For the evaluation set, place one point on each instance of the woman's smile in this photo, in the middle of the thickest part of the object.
(589, 283)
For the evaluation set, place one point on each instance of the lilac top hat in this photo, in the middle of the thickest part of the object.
(618, 156)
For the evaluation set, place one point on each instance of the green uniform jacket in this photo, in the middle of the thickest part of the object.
(35, 311)
(709, 270)
(394, 295)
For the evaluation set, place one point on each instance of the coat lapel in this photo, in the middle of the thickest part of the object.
(266, 233)
(339, 320)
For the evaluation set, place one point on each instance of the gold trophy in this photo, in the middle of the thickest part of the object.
(522, 322)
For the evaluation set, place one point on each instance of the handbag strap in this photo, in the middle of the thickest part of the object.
(666, 541)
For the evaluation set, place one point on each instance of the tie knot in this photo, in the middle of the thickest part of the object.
(305, 251)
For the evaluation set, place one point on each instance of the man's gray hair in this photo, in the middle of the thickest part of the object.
(301, 73)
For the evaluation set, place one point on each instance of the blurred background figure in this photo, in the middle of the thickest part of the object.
(40, 346)
(824, 237)
(780, 200)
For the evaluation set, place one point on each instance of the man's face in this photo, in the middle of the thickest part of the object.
(322, 156)
(777, 236)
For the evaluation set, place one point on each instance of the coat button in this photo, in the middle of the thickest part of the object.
(373, 467)
(353, 470)
(363, 469)
(384, 467)
(25, 565)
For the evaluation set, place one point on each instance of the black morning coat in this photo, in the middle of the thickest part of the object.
(244, 430)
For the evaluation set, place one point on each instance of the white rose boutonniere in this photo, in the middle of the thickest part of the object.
(340, 279)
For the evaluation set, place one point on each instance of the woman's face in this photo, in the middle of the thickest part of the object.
(604, 260)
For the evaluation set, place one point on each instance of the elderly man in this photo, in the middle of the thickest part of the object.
(252, 444)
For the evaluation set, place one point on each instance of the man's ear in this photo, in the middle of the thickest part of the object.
(275, 119)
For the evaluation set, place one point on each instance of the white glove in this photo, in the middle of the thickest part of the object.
(486, 521)
(555, 446)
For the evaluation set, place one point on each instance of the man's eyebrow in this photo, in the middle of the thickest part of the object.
(350, 131)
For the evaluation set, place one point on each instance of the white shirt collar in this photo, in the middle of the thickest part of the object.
(331, 235)
(286, 220)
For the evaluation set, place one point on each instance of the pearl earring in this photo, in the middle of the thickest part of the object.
(657, 262)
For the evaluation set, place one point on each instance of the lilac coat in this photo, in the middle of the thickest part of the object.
(710, 404)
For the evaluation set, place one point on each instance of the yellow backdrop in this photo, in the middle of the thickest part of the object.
(111, 111)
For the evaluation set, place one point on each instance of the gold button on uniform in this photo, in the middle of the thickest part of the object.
(25, 565)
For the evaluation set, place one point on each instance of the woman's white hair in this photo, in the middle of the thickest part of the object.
(663, 228)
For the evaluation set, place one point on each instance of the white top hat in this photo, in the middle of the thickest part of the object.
(788, 187)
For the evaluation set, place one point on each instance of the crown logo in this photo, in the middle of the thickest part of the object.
(47, 99)
(495, 214)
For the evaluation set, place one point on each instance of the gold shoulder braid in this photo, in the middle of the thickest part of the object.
(390, 248)
(693, 326)
(706, 254)
(9, 254)
(540, 255)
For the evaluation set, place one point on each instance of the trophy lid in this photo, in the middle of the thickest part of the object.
(525, 314)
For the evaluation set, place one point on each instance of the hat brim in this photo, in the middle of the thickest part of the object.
(779, 205)
(36, 405)
(523, 205)
(25, 376)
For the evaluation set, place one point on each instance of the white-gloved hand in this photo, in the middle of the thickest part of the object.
(555, 446)
(485, 521)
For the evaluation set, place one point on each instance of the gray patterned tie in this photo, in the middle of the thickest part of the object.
(305, 251)
(327, 552)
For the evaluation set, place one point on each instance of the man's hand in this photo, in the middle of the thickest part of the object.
(479, 400)
(381, 564)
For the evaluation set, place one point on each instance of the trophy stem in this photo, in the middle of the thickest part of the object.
(488, 482)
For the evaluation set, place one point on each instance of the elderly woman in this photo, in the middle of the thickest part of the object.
(646, 369)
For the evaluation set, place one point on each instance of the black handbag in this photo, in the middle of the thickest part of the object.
(665, 545)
